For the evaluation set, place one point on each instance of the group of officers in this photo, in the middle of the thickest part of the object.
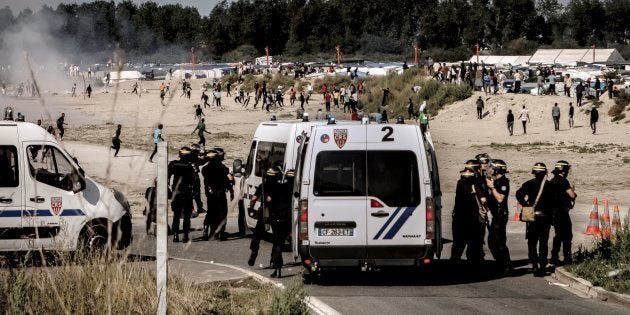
(274, 194)
(483, 189)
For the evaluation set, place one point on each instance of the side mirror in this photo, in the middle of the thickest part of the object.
(237, 168)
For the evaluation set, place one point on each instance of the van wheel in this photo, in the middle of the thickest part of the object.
(94, 238)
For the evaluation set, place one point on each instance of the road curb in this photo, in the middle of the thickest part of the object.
(314, 304)
(588, 289)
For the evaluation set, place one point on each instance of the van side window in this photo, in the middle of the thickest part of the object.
(250, 159)
(9, 171)
(52, 168)
(340, 173)
(393, 177)
(268, 154)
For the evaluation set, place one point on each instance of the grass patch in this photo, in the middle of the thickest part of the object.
(100, 284)
(607, 256)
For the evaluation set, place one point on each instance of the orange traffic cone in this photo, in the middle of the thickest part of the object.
(616, 222)
(593, 220)
(605, 221)
(517, 213)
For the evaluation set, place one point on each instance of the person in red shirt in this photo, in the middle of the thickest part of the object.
(327, 99)
(324, 88)
(355, 115)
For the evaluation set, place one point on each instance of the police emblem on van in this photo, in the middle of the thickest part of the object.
(55, 204)
(341, 136)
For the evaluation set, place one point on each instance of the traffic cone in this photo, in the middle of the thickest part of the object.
(605, 222)
(517, 213)
(616, 222)
(593, 220)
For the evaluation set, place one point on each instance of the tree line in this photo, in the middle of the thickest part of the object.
(300, 28)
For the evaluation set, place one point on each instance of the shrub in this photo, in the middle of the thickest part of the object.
(290, 301)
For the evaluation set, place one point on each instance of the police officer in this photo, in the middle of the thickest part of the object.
(280, 198)
(468, 228)
(182, 187)
(537, 232)
(562, 226)
(196, 161)
(499, 189)
(217, 180)
(262, 194)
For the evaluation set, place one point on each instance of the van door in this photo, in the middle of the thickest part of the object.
(395, 205)
(49, 190)
(301, 152)
(337, 217)
(437, 192)
(11, 189)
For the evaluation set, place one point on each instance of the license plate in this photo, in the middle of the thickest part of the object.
(335, 232)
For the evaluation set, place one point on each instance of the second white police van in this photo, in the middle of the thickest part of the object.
(369, 196)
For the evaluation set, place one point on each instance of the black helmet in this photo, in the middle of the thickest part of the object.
(499, 166)
(561, 167)
(220, 153)
(483, 158)
(290, 173)
(184, 152)
(472, 164)
(212, 154)
(539, 168)
(467, 173)
(273, 171)
(195, 147)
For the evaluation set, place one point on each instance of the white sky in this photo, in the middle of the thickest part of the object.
(203, 6)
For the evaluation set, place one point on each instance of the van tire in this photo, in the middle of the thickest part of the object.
(94, 238)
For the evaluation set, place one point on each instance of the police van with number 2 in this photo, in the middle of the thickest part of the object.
(368, 195)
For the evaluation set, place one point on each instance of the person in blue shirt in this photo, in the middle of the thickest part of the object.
(157, 137)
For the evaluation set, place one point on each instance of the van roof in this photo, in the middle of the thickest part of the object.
(28, 131)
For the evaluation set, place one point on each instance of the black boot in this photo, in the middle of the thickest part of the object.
(277, 273)
(185, 239)
(176, 238)
(252, 258)
(206, 236)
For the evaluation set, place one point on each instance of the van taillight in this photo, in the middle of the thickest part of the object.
(430, 216)
(303, 224)
(375, 204)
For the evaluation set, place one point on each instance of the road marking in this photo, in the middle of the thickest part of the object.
(315, 304)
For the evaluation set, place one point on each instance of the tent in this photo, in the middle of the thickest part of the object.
(573, 56)
(500, 60)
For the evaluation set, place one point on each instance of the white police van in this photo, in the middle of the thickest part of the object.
(46, 200)
(369, 196)
(274, 142)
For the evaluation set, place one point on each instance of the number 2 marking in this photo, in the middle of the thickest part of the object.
(388, 135)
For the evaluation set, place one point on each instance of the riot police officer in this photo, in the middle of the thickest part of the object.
(499, 189)
(468, 222)
(217, 180)
(538, 193)
(262, 194)
(280, 202)
(182, 188)
(562, 226)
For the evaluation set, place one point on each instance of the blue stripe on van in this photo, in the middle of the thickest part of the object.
(39, 213)
(399, 223)
(386, 223)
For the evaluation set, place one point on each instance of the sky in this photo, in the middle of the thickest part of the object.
(203, 6)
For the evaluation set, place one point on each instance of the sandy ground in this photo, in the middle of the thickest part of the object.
(601, 162)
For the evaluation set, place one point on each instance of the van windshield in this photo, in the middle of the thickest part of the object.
(269, 154)
(391, 176)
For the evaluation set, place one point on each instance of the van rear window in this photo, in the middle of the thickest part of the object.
(9, 172)
(269, 154)
(391, 176)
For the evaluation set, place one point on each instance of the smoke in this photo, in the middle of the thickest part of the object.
(47, 54)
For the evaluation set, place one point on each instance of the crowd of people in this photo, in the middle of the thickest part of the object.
(481, 203)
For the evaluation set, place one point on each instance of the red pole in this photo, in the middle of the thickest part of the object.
(593, 53)
(267, 54)
(477, 47)
(192, 52)
(338, 56)
(415, 54)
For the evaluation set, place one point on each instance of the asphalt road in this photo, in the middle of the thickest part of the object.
(440, 289)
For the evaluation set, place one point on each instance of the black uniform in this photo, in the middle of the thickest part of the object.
(280, 217)
(497, 240)
(259, 230)
(182, 187)
(537, 232)
(562, 225)
(216, 183)
(468, 229)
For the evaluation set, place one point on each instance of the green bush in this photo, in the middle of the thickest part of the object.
(606, 256)
(290, 301)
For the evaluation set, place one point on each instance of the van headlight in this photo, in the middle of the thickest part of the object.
(120, 197)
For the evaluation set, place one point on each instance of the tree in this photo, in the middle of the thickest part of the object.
(586, 20)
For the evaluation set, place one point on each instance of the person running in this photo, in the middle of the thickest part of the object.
(201, 128)
(204, 99)
(157, 137)
(60, 122)
(135, 88)
(116, 140)
(199, 112)
(524, 117)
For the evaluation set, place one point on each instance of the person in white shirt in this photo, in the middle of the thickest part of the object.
(524, 118)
